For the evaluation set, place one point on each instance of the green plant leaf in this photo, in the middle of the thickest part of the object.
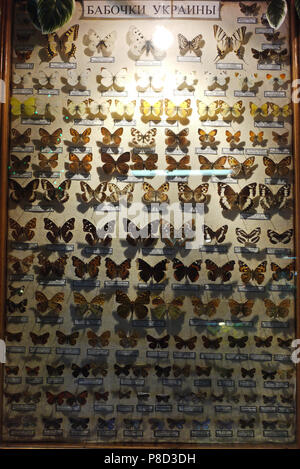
(276, 13)
(53, 14)
(297, 6)
(32, 9)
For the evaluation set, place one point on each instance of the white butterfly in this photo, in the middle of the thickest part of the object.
(185, 80)
(101, 109)
(207, 111)
(43, 108)
(146, 80)
(74, 78)
(117, 81)
(76, 108)
(247, 82)
(121, 109)
(46, 79)
(216, 81)
(140, 45)
(96, 44)
(21, 80)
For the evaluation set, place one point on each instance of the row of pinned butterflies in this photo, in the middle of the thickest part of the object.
(136, 236)
(161, 308)
(244, 200)
(156, 272)
(153, 111)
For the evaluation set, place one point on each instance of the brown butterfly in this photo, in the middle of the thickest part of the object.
(111, 139)
(98, 235)
(122, 370)
(256, 274)
(185, 343)
(80, 138)
(162, 370)
(206, 164)
(78, 370)
(146, 140)
(177, 140)
(207, 309)
(14, 336)
(203, 370)
(280, 168)
(177, 237)
(129, 339)
(145, 236)
(218, 235)
(19, 165)
(240, 309)
(241, 201)
(147, 271)
(280, 139)
(48, 162)
(114, 270)
(284, 343)
(171, 308)
(12, 370)
(98, 340)
(21, 266)
(159, 342)
(22, 233)
(279, 273)
(188, 195)
(80, 166)
(140, 370)
(245, 238)
(224, 272)
(261, 55)
(190, 272)
(155, 195)
(23, 55)
(83, 305)
(70, 339)
(278, 56)
(99, 369)
(101, 396)
(13, 307)
(239, 342)
(117, 194)
(266, 342)
(272, 37)
(50, 140)
(212, 343)
(148, 163)
(55, 398)
(120, 165)
(183, 163)
(276, 238)
(207, 139)
(277, 201)
(53, 304)
(249, 10)
(256, 139)
(56, 193)
(72, 399)
(243, 168)
(20, 139)
(178, 370)
(88, 194)
(39, 339)
(127, 306)
(82, 268)
(57, 267)
(23, 194)
(57, 232)
(277, 311)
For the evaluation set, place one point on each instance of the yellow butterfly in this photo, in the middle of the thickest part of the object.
(27, 107)
(261, 111)
(151, 111)
(283, 111)
(178, 112)
(207, 111)
(231, 112)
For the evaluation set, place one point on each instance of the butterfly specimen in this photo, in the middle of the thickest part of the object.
(185, 80)
(12, 397)
(145, 236)
(80, 166)
(278, 82)
(187, 343)
(111, 139)
(218, 235)
(260, 342)
(117, 194)
(16, 290)
(162, 397)
(91, 268)
(140, 370)
(123, 110)
(219, 80)
(98, 44)
(19, 108)
(278, 56)
(160, 342)
(70, 339)
(285, 273)
(55, 370)
(52, 304)
(128, 339)
(286, 374)
(21, 139)
(50, 140)
(161, 371)
(152, 195)
(56, 232)
(74, 78)
(80, 138)
(21, 81)
(128, 307)
(232, 139)
(243, 309)
(122, 370)
(119, 165)
(101, 340)
(226, 44)
(139, 45)
(19, 165)
(280, 168)
(247, 423)
(287, 399)
(52, 423)
(188, 195)
(177, 237)
(140, 140)
(98, 235)
(256, 139)
(33, 398)
(238, 342)
(203, 425)
(21, 266)
(88, 194)
(173, 165)
(77, 109)
(283, 112)
(230, 113)
(256, 274)
(211, 165)
(261, 55)
(276, 238)
(207, 111)
(178, 112)
(23, 194)
(250, 398)
(224, 272)
(151, 111)
(48, 80)
(22, 233)
(277, 311)
(178, 424)
(248, 238)
(116, 81)
(39, 339)
(280, 139)
(192, 46)
(63, 45)
(248, 372)
(101, 396)
(259, 112)
(57, 267)
(190, 272)
(99, 369)
(170, 309)
(205, 309)
(144, 164)
(156, 272)
(243, 168)
(153, 81)
(249, 10)
(56, 194)
(284, 343)
(114, 270)
(99, 109)
(14, 307)
(106, 424)
(273, 37)
(48, 162)
(211, 343)
(174, 140)
(247, 82)
(277, 201)
(207, 139)
(72, 399)
(55, 398)
(83, 305)
(203, 370)
(14, 336)
(241, 201)
(132, 424)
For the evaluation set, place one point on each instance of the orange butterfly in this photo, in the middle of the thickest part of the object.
(233, 138)
(78, 166)
(80, 139)
(46, 162)
(207, 139)
(113, 139)
(256, 139)
(181, 164)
